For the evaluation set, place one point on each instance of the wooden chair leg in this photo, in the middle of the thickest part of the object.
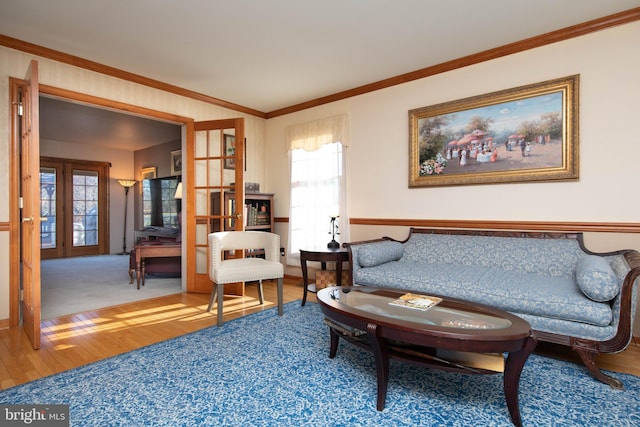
(260, 294)
(220, 299)
(280, 297)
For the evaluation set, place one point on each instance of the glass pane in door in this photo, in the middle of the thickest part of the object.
(208, 181)
(85, 208)
(48, 208)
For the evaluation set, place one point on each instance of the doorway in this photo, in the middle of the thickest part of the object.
(82, 215)
(67, 98)
(191, 255)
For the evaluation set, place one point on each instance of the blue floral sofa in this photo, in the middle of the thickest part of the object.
(570, 295)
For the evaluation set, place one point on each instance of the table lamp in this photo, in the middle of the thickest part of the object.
(333, 244)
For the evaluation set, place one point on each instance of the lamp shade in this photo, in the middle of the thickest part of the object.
(178, 191)
(126, 183)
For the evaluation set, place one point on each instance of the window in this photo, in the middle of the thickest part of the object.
(159, 205)
(318, 185)
(85, 207)
(48, 183)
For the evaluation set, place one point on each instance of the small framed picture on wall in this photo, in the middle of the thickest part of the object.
(176, 162)
(229, 151)
(148, 173)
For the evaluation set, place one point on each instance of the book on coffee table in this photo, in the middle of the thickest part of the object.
(416, 301)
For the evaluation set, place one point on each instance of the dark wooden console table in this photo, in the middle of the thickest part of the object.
(153, 251)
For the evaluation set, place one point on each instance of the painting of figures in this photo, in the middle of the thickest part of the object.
(523, 134)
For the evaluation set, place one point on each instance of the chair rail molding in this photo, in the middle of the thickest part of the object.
(566, 226)
(601, 227)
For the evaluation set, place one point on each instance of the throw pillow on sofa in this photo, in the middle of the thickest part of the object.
(379, 253)
(596, 278)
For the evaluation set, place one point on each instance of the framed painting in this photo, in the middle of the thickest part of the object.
(176, 162)
(148, 173)
(229, 151)
(528, 133)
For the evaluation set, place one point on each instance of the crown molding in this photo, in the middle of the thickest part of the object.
(588, 27)
(86, 64)
(487, 55)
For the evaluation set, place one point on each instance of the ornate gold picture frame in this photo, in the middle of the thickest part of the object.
(528, 133)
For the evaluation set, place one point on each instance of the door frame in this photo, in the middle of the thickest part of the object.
(15, 85)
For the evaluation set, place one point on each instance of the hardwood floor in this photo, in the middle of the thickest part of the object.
(76, 340)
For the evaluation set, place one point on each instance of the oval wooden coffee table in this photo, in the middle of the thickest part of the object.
(364, 316)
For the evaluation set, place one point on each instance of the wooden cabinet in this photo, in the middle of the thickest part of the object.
(257, 211)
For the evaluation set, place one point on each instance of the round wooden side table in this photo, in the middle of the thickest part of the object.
(322, 255)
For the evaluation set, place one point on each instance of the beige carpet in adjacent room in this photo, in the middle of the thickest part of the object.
(74, 285)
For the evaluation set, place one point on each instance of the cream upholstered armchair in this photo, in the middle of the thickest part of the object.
(222, 271)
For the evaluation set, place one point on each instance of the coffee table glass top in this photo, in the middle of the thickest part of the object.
(446, 313)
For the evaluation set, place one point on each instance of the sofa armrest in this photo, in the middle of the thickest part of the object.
(627, 305)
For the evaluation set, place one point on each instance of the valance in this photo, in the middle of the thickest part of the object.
(310, 136)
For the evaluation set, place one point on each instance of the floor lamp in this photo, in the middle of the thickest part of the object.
(127, 184)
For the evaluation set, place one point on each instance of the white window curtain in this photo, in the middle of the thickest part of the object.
(318, 184)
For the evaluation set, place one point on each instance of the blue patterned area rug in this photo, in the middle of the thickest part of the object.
(265, 370)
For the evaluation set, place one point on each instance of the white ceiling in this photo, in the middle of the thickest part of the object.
(82, 124)
(268, 55)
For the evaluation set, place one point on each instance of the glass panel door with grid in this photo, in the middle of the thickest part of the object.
(213, 169)
(73, 207)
